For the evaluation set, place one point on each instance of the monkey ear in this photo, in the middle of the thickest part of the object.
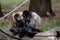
(13, 16)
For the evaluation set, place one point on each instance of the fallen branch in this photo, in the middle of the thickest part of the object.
(13, 10)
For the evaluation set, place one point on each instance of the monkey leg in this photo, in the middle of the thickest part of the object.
(21, 32)
(13, 31)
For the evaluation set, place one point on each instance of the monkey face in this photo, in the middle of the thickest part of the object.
(27, 18)
(17, 16)
(26, 15)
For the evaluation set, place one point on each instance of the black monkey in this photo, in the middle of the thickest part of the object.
(29, 30)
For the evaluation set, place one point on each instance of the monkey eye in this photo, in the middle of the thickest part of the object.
(16, 16)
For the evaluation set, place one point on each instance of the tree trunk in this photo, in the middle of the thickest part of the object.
(41, 7)
(1, 14)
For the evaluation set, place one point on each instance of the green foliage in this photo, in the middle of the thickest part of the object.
(52, 25)
(56, 3)
(11, 1)
(8, 4)
(3, 25)
(45, 27)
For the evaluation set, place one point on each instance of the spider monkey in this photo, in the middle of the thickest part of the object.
(23, 28)
(31, 30)
(19, 24)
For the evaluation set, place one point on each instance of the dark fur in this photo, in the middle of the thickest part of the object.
(23, 29)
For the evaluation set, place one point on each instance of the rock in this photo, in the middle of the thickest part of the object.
(48, 35)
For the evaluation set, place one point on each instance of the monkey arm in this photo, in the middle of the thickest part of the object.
(13, 31)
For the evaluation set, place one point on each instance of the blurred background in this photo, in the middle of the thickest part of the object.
(8, 5)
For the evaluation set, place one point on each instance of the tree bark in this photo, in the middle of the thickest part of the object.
(1, 14)
(41, 7)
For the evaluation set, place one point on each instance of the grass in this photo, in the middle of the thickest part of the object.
(52, 25)
(10, 1)
(7, 4)
(56, 3)
(3, 25)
